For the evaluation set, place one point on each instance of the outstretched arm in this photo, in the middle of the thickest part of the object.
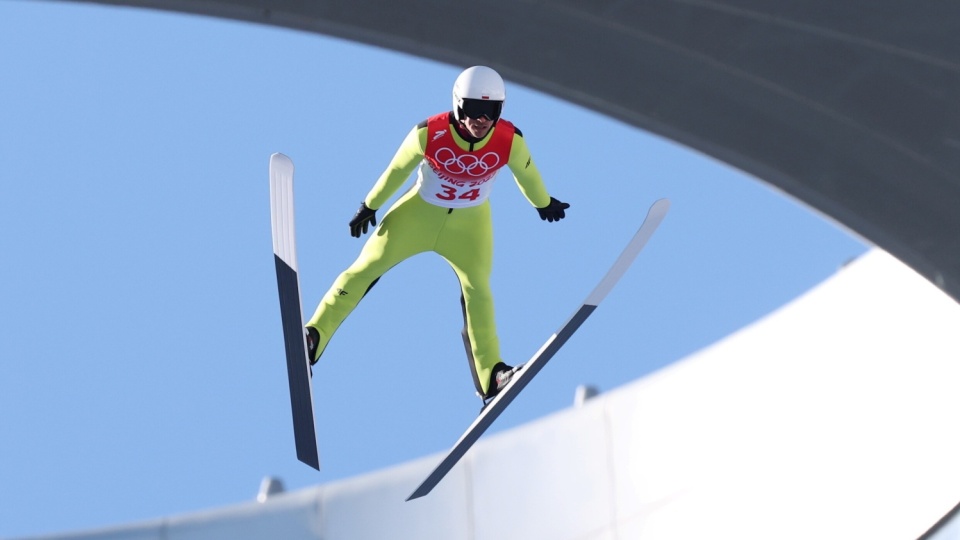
(404, 161)
(531, 183)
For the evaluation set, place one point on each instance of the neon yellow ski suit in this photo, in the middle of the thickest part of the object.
(461, 235)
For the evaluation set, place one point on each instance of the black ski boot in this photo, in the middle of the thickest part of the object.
(499, 379)
(313, 340)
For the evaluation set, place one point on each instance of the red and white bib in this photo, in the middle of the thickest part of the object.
(452, 177)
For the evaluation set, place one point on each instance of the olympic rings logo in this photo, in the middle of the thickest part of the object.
(467, 163)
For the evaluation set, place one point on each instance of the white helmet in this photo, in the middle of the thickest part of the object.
(477, 92)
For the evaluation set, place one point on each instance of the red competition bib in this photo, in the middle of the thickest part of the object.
(452, 177)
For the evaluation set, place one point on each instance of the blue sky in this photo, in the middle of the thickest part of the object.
(140, 344)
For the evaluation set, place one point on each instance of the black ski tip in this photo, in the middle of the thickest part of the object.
(420, 492)
(313, 462)
(307, 452)
(435, 477)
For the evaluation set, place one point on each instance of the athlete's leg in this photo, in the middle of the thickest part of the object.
(408, 228)
(466, 242)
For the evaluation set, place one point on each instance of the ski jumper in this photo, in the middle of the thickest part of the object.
(447, 212)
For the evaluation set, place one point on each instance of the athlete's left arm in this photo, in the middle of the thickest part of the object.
(526, 173)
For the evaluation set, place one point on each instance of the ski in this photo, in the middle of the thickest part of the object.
(523, 376)
(291, 317)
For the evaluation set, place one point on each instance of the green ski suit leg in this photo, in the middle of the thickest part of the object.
(466, 242)
(463, 237)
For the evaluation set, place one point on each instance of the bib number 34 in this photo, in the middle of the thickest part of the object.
(451, 193)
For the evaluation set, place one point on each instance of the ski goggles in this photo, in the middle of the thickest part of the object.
(478, 108)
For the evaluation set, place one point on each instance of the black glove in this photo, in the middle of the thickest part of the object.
(363, 218)
(553, 211)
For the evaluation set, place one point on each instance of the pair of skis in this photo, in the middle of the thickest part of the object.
(298, 368)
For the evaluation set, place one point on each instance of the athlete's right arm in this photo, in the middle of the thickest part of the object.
(408, 156)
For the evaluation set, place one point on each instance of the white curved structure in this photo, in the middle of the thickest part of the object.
(833, 417)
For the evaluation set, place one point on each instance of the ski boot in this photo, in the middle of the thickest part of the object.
(499, 379)
(313, 340)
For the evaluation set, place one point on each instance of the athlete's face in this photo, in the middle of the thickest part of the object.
(478, 127)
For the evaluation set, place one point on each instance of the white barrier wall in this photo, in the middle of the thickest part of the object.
(834, 417)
